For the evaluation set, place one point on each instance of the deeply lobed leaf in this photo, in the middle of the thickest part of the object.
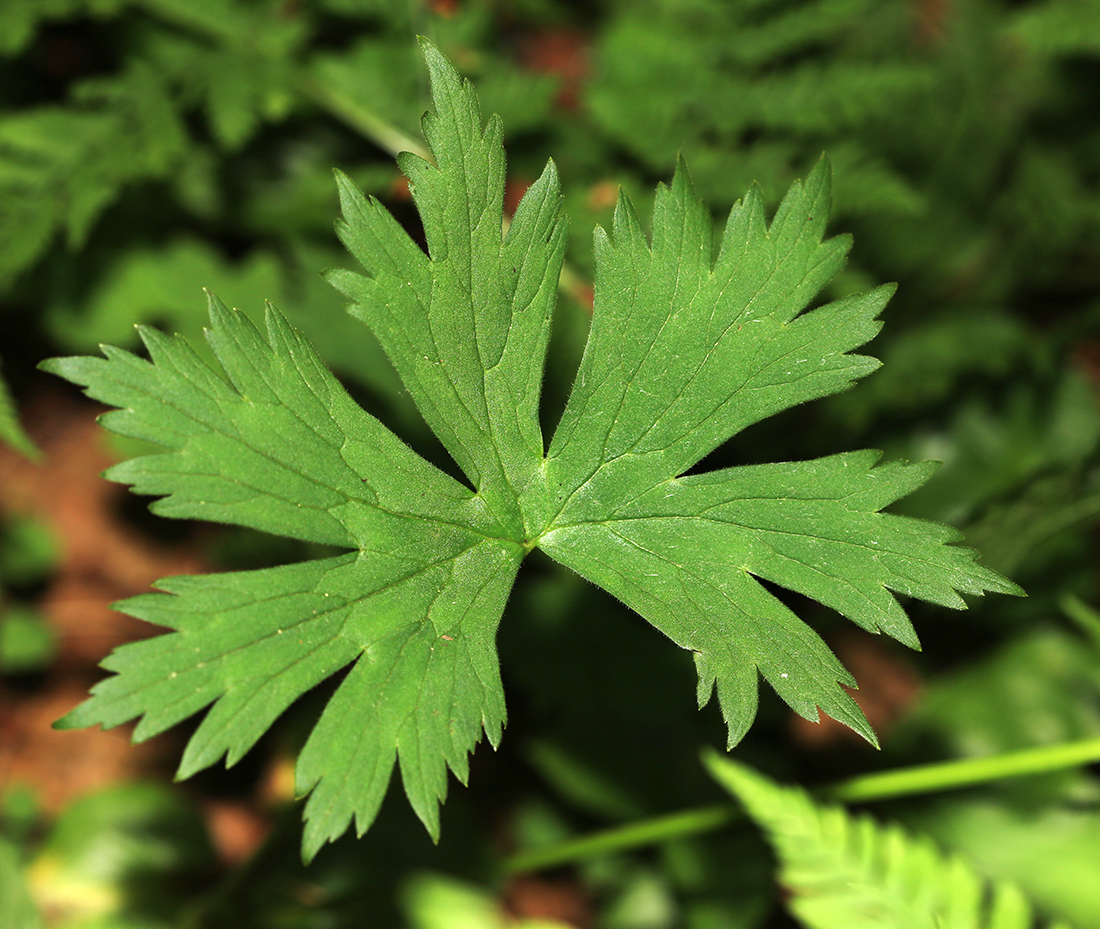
(281, 447)
(716, 345)
(466, 326)
(686, 349)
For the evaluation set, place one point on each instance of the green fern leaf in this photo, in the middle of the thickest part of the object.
(1058, 28)
(785, 75)
(845, 871)
(11, 432)
(684, 352)
(60, 167)
(19, 20)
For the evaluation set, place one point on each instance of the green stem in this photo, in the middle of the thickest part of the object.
(864, 788)
(339, 105)
(948, 775)
(360, 118)
(645, 832)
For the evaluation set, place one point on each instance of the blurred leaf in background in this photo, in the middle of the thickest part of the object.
(845, 871)
(11, 431)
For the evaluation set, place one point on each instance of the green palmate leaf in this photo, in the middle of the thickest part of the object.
(686, 553)
(284, 449)
(848, 872)
(685, 351)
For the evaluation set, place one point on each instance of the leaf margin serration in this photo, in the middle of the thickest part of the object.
(515, 496)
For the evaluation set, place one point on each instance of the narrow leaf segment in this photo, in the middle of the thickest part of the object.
(685, 351)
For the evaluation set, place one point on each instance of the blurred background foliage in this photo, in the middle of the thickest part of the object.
(149, 148)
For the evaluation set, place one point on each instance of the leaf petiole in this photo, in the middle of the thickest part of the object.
(864, 788)
(963, 772)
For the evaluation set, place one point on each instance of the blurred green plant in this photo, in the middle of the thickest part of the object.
(847, 872)
(28, 555)
(11, 431)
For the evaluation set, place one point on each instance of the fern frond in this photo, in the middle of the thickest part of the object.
(235, 60)
(1061, 27)
(11, 432)
(19, 20)
(845, 871)
(745, 76)
(60, 167)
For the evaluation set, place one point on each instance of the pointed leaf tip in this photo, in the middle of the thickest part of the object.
(69, 721)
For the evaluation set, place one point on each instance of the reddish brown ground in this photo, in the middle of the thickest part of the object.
(101, 560)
